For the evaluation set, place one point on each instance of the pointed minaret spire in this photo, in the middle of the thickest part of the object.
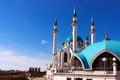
(56, 24)
(74, 12)
(92, 31)
(92, 21)
(87, 42)
(74, 33)
(106, 37)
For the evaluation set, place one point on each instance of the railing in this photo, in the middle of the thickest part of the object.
(91, 72)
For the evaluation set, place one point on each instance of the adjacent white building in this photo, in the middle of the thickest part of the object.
(80, 60)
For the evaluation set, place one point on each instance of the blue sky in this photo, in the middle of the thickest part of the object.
(26, 27)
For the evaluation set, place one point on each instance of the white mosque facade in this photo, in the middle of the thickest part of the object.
(81, 60)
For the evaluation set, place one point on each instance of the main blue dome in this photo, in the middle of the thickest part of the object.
(70, 39)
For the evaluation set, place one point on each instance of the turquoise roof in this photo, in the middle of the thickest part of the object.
(70, 39)
(63, 48)
(89, 53)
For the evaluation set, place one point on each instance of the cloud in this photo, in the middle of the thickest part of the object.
(10, 60)
(6, 53)
(43, 42)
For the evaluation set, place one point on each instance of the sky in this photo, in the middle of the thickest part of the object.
(26, 28)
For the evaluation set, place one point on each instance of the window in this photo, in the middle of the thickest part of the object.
(65, 57)
(69, 43)
(68, 78)
(78, 79)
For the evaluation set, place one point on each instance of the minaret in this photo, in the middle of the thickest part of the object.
(92, 31)
(74, 33)
(87, 42)
(55, 31)
(106, 37)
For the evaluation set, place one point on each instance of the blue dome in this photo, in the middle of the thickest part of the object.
(89, 53)
(70, 39)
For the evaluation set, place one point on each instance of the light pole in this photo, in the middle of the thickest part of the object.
(114, 66)
(104, 60)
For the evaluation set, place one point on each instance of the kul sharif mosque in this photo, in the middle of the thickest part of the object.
(81, 60)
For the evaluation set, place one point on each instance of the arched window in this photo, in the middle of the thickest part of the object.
(79, 43)
(65, 57)
(98, 63)
(69, 43)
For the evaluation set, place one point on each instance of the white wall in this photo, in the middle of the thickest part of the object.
(64, 76)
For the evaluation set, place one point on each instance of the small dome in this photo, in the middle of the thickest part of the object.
(70, 39)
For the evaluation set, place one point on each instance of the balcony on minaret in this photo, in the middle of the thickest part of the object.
(55, 30)
(93, 30)
(74, 23)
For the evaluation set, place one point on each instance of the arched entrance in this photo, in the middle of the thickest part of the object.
(75, 62)
(99, 64)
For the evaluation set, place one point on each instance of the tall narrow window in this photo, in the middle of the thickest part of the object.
(65, 57)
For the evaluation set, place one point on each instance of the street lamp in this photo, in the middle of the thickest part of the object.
(114, 59)
(114, 66)
(104, 60)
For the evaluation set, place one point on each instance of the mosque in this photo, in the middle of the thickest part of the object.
(82, 60)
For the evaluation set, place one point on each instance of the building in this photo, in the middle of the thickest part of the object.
(82, 60)
(35, 72)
